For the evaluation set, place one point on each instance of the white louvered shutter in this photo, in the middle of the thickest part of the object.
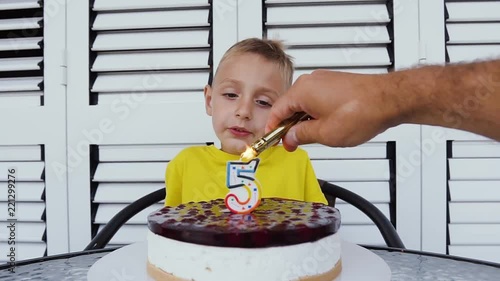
(474, 206)
(28, 234)
(472, 29)
(142, 99)
(333, 35)
(33, 128)
(366, 171)
(123, 175)
(21, 54)
(473, 33)
(132, 40)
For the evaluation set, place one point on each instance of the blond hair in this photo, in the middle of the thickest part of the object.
(272, 50)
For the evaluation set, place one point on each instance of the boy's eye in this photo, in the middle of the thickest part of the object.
(230, 95)
(263, 103)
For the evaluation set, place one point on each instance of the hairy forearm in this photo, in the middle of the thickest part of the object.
(460, 96)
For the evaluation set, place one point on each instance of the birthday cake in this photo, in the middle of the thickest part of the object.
(280, 240)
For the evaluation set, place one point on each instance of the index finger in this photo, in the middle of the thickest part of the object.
(285, 106)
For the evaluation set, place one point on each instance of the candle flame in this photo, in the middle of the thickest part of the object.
(248, 155)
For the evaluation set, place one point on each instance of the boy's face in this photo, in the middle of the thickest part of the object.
(242, 93)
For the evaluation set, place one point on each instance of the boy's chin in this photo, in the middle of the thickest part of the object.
(234, 147)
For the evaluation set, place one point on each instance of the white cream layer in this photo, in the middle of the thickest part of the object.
(209, 263)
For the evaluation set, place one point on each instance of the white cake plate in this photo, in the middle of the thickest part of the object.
(129, 264)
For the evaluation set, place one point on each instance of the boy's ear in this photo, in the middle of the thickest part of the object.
(208, 99)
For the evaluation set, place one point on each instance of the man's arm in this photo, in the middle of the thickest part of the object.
(460, 96)
(349, 109)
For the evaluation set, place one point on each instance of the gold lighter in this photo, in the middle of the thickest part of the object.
(273, 137)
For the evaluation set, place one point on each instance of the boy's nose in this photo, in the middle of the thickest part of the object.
(244, 111)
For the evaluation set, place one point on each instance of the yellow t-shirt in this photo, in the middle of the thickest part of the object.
(199, 174)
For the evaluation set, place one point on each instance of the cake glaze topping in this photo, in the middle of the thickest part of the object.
(276, 222)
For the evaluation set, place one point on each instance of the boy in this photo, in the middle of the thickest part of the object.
(250, 77)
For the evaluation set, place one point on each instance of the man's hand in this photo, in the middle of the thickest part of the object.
(347, 109)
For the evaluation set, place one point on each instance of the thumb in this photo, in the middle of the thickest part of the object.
(283, 108)
(302, 133)
(279, 112)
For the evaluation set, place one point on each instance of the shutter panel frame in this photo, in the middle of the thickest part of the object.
(136, 88)
(358, 51)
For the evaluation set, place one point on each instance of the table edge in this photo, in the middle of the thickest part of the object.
(370, 247)
(432, 254)
(55, 257)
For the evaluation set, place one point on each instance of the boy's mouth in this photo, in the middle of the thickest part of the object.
(239, 131)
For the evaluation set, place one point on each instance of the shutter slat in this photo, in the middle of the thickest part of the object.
(123, 153)
(27, 212)
(30, 43)
(475, 149)
(474, 234)
(26, 192)
(484, 212)
(327, 14)
(20, 84)
(128, 234)
(18, 24)
(473, 11)
(155, 98)
(281, 2)
(472, 52)
(362, 234)
(484, 169)
(116, 5)
(149, 60)
(467, 33)
(25, 231)
(130, 172)
(19, 64)
(20, 153)
(348, 56)
(375, 192)
(129, 192)
(167, 39)
(19, 4)
(106, 211)
(140, 82)
(26, 171)
(352, 215)
(331, 35)
(24, 250)
(486, 253)
(352, 170)
(471, 191)
(364, 151)
(23, 99)
(151, 19)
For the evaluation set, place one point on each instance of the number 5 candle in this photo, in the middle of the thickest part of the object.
(244, 189)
